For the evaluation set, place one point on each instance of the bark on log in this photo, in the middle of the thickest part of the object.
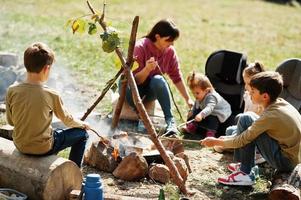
(288, 189)
(152, 132)
(47, 177)
(119, 105)
(129, 62)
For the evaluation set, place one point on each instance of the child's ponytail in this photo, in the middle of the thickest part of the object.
(254, 68)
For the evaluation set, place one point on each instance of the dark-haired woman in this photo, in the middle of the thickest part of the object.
(156, 56)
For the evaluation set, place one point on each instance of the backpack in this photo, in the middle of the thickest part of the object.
(290, 70)
(224, 69)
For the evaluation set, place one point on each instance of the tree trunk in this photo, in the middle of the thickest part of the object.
(288, 189)
(47, 177)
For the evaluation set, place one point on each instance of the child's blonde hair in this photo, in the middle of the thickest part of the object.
(253, 68)
(198, 80)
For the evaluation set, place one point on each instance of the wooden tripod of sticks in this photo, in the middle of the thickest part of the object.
(126, 69)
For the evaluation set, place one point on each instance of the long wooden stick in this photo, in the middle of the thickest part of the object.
(119, 104)
(103, 93)
(176, 177)
(163, 138)
(179, 140)
(129, 62)
(178, 180)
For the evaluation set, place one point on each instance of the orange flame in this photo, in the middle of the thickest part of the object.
(115, 153)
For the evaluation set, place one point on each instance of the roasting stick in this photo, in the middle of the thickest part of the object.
(166, 138)
(180, 140)
(105, 140)
(180, 125)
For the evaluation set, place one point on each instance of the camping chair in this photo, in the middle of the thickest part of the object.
(290, 70)
(224, 69)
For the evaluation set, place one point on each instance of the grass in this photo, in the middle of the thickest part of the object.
(266, 31)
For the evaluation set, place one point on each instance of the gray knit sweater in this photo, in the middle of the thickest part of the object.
(214, 104)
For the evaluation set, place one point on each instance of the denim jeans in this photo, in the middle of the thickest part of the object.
(75, 138)
(267, 146)
(154, 88)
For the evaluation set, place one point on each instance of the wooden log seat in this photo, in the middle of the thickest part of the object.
(39, 177)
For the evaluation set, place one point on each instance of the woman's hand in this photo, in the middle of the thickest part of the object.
(190, 103)
(151, 64)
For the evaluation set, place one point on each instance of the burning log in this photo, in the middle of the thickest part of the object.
(39, 177)
(115, 153)
(100, 156)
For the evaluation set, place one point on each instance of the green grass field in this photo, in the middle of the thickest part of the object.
(268, 32)
(265, 31)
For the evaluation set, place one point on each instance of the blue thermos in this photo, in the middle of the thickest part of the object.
(93, 187)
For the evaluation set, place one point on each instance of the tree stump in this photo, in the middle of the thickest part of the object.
(47, 177)
(288, 189)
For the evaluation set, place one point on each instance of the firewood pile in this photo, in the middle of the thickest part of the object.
(132, 156)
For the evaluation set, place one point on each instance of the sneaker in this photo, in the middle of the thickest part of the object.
(259, 159)
(171, 128)
(238, 178)
(255, 171)
(234, 167)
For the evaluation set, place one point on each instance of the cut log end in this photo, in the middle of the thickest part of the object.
(286, 191)
(62, 180)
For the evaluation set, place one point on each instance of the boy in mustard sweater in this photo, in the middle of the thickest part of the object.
(276, 132)
(31, 106)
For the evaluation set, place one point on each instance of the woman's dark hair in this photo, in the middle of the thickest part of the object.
(164, 28)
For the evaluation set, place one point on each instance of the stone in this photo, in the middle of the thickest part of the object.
(174, 146)
(132, 168)
(186, 159)
(182, 168)
(7, 77)
(8, 59)
(160, 173)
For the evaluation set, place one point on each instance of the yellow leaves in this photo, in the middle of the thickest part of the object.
(79, 25)
(135, 65)
(118, 65)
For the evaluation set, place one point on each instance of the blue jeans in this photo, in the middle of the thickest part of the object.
(267, 146)
(152, 89)
(75, 138)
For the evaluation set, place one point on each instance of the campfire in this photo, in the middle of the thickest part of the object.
(131, 156)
